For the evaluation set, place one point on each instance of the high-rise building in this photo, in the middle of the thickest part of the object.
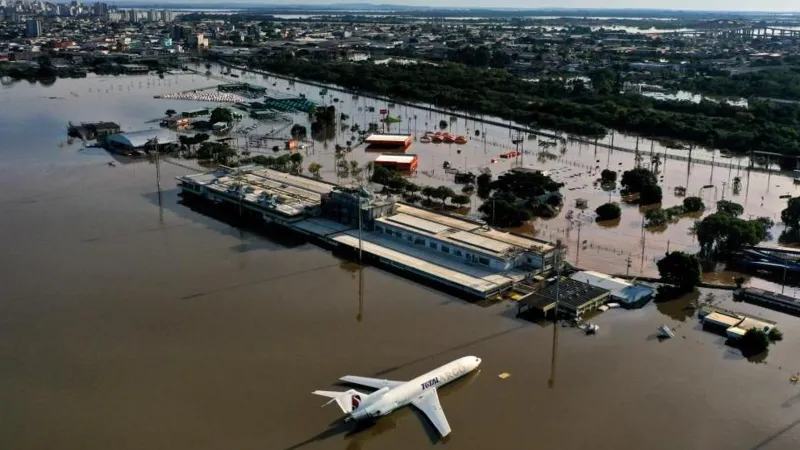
(33, 28)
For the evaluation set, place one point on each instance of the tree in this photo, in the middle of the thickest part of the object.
(501, 212)
(775, 335)
(680, 269)
(720, 234)
(295, 163)
(221, 114)
(468, 188)
(608, 211)
(170, 112)
(650, 194)
(693, 204)
(484, 182)
(382, 175)
(791, 215)
(460, 200)
(753, 342)
(634, 180)
(608, 176)
(412, 188)
(428, 192)
(443, 193)
(730, 208)
(314, 169)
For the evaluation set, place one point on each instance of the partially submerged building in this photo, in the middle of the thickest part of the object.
(138, 141)
(462, 254)
(731, 323)
(622, 291)
(565, 297)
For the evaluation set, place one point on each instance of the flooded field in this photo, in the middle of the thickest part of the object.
(578, 165)
(132, 323)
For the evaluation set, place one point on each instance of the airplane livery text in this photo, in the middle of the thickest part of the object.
(430, 383)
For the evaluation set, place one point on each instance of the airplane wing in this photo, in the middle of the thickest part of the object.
(430, 406)
(374, 383)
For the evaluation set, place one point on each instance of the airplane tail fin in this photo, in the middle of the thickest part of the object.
(347, 401)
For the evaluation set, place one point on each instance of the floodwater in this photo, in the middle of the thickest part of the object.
(132, 323)
(609, 247)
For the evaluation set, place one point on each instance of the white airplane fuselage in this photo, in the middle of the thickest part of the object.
(386, 400)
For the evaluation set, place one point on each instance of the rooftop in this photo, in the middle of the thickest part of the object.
(138, 139)
(402, 159)
(391, 138)
(283, 193)
(567, 291)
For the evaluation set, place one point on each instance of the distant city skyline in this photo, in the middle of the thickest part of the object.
(710, 5)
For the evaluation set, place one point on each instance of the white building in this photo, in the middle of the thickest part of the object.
(622, 291)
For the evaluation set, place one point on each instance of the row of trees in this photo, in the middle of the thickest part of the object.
(724, 232)
(515, 197)
(396, 183)
(553, 104)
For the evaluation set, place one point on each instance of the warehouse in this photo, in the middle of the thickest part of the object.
(139, 140)
(401, 163)
(390, 142)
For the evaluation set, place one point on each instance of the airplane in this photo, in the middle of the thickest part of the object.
(391, 395)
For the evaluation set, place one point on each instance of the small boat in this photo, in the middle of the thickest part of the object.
(665, 332)
(590, 328)
(425, 140)
(460, 140)
(447, 139)
(436, 139)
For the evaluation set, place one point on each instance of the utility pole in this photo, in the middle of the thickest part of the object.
(578, 247)
(158, 165)
(360, 200)
(628, 266)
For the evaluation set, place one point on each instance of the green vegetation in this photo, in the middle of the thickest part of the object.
(681, 270)
(730, 208)
(790, 217)
(552, 104)
(288, 162)
(394, 182)
(779, 83)
(608, 211)
(658, 217)
(643, 182)
(516, 196)
(693, 204)
(221, 114)
(753, 342)
(314, 169)
(721, 234)
(608, 177)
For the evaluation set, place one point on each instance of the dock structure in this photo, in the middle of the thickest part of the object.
(461, 255)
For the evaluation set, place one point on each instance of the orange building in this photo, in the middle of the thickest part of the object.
(401, 163)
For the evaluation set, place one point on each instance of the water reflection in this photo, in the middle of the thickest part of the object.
(679, 309)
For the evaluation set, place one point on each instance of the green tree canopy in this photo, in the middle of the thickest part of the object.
(221, 114)
(730, 208)
(694, 204)
(634, 180)
(650, 194)
(608, 211)
(791, 215)
(680, 269)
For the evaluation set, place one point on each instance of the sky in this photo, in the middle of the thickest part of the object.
(724, 5)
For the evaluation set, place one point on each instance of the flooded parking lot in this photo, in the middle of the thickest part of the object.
(128, 325)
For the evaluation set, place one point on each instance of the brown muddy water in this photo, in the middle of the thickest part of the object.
(128, 325)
